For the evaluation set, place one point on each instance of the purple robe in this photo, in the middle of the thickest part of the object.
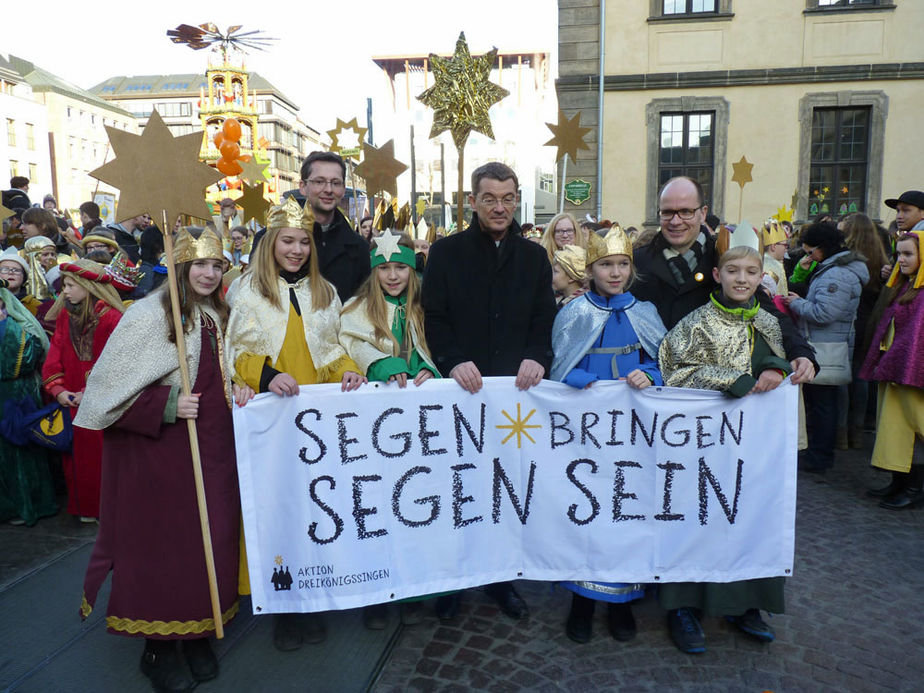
(903, 363)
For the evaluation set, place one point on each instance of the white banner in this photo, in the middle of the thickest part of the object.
(375, 495)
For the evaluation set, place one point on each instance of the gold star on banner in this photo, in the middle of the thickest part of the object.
(386, 245)
(461, 94)
(742, 172)
(278, 559)
(253, 203)
(156, 172)
(380, 169)
(340, 133)
(253, 171)
(569, 136)
(518, 426)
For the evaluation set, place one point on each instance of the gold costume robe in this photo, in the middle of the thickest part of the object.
(711, 348)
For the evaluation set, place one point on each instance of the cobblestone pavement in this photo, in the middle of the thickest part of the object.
(853, 623)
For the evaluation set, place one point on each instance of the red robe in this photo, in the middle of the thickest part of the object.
(64, 370)
(149, 534)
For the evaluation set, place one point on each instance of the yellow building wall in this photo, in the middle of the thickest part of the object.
(761, 34)
(763, 126)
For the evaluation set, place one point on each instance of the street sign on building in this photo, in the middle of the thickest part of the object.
(577, 191)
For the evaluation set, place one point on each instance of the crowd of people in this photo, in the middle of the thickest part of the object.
(833, 308)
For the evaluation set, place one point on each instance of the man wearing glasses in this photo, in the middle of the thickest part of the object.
(675, 273)
(489, 308)
(343, 254)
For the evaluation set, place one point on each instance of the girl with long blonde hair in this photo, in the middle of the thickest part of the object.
(282, 334)
(382, 326)
(562, 230)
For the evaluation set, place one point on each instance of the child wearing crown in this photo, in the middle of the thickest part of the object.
(283, 333)
(382, 330)
(149, 515)
(732, 345)
(606, 334)
(87, 311)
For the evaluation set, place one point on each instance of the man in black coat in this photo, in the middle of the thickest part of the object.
(675, 273)
(489, 308)
(343, 255)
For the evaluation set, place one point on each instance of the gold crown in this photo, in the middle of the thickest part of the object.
(37, 243)
(290, 215)
(572, 259)
(773, 232)
(206, 247)
(615, 242)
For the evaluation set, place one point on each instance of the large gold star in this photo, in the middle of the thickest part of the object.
(461, 94)
(742, 172)
(348, 148)
(253, 203)
(253, 171)
(569, 136)
(5, 213)
(380, 168)
(157, 172)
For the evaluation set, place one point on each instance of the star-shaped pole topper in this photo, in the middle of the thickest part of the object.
(568, 136)
(346, 138)
(253, 171)
(156, 172)
(253, 203)
(380, 169)
(742, 169)
(5, 213)
(462, 93)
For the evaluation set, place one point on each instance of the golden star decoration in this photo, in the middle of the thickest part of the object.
(253, 171)
(568, 136)
(338, 133)
(462, 94)
(518, 426)
(253, 203)
(156, 172)
(742, 172)
(380, 169)
(278, 559)
(784, 213)
(5, 213)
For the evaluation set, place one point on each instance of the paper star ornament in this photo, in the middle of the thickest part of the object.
(568, 136)
(462, 94)
(253, 171)
(346, 138)
(157, 172)
(742, 171)
(253, 203)
(380, 169)
(386, 245)
(784, 213)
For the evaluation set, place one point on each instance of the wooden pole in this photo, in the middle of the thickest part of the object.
(355, 198)
(193, 435)
(460, 201)
(740, 201)
(564, 173)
